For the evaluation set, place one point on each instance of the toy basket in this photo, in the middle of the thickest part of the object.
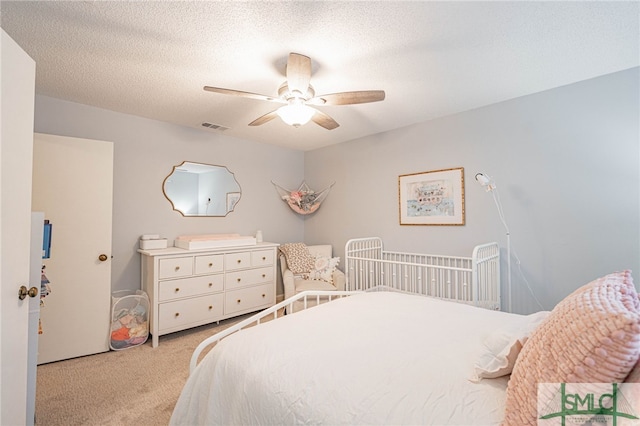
(129, 319)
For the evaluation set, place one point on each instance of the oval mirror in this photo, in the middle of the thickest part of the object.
(196, 189)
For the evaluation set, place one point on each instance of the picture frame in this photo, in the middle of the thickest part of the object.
(232, 200)
(432, 198)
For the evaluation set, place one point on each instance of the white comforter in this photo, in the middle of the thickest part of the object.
(376, 358)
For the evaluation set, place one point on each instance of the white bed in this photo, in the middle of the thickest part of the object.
(388, 357)
(411, 363)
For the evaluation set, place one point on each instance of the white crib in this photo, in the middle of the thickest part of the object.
(472, 280)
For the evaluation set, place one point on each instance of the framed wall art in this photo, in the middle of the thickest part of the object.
(432, 198)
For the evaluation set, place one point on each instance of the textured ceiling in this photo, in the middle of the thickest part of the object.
(152, 59)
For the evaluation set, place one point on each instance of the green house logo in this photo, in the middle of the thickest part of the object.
(588, 403)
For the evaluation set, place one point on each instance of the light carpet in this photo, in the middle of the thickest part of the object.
(135, 386)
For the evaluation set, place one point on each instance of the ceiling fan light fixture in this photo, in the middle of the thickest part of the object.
(295, 114)
(298, 94)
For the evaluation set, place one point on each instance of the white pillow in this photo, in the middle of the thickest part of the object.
(324, 268)
(501, 347)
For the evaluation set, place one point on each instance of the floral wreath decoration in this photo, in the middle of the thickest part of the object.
(303, 200)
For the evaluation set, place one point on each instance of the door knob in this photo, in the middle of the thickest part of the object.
(103, 257)
(23, 292)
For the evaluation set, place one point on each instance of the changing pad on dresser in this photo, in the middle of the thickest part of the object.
(196, 242)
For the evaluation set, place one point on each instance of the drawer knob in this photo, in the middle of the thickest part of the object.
(210, 284)
(239, 300)
(177, 314)
(264, 275)
(210, 265)
(177, 268)
(264, 258)
(264, 295)
(210, 307)
(239, 260)
(239, 279)
(177, 289)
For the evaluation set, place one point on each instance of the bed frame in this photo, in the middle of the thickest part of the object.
(274, 312)
(472, 280)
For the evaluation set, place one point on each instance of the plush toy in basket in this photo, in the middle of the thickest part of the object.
(129, 320)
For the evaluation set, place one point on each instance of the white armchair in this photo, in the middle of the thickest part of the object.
(294, 284)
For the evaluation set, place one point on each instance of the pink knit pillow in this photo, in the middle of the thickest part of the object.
(592, 336)
(634, 376)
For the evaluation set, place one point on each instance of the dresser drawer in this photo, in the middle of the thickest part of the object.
(262, 258)
(209, 264)
(248, 277)
(174, 315)
(175, 289)
(233, 261)
(248, 299)
(175, 267)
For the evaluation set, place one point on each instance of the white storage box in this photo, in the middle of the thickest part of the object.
(160, 243)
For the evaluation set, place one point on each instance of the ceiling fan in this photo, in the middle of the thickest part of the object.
(297, 94)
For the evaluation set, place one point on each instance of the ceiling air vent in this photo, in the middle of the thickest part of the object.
(214, 126)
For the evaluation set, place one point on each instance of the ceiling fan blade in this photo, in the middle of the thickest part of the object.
(265, 118)
(298, 73)
(242, 94)
(322, 119)
(349, 98)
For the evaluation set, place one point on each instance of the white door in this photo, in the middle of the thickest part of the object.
(17, 92)
(73, 185)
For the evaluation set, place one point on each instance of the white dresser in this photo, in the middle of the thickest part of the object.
(188, 288)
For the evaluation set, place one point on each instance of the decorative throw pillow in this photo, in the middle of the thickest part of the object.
(502, 346)
(592, 336)
(634, 376)
(324, 268)
(298, 258)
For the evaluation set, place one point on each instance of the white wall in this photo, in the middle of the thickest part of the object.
(566, 163)
(145, 152)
